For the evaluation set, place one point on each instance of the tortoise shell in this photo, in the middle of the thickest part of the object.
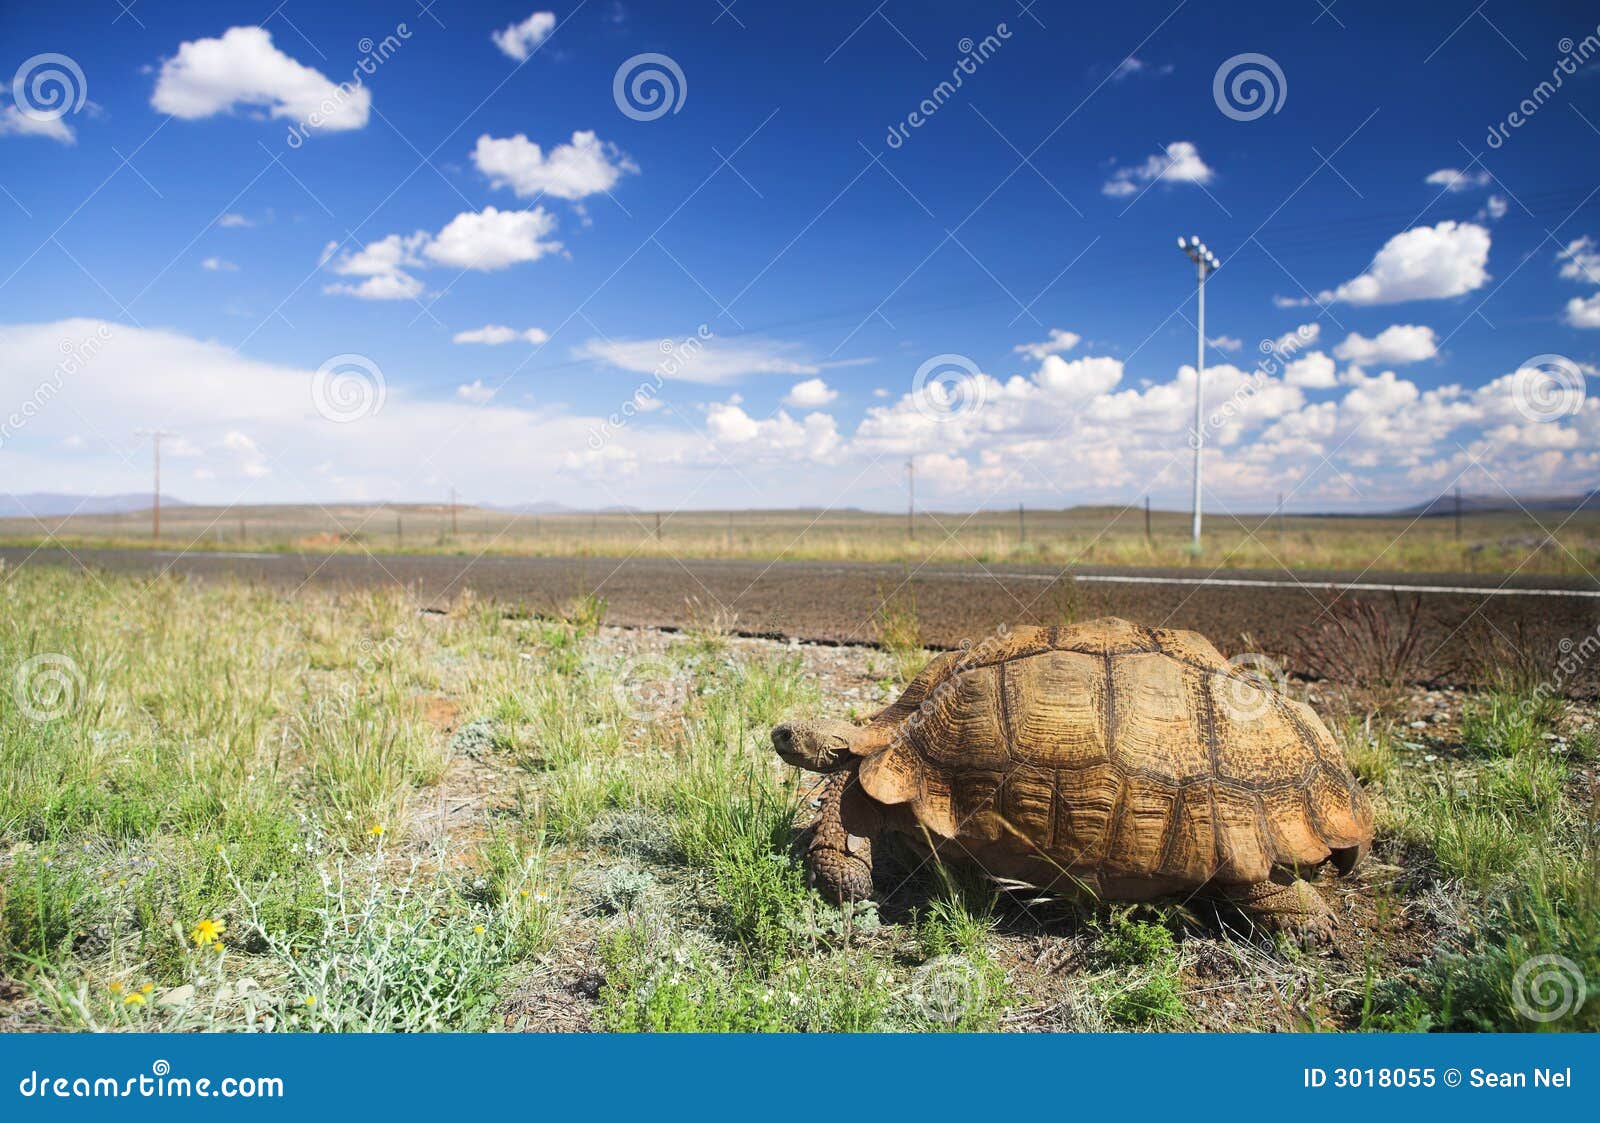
(1119, 751)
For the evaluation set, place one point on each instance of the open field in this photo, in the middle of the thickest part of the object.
(228, 806)
(1542, 543)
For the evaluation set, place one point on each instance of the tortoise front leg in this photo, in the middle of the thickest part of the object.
(839, 856)
(1290, 906)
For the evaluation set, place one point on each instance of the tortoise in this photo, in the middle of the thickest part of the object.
(1128, 761)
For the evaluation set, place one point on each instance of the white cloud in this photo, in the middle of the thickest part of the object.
(1455, 181)
(492, 239)
(813, 393)
(484, 240)
(382, 286)
(777, 437)
(710, 361)
(1581, 261)
(248, 457)
(1226, 343)
(475, 391)
(496, 334)
(1179, 163)
(520, 39)
(383, 266)
(218, 265)
(211, 76)
(1401, 343)
(1303, 336)
(1313, 371)
(1057, 342)
(14, 122)
(231, 221)
(1494, 208)
(1083, 424)
(1131, 67)
(586, 166)
(1584, 312)
(275, 447)
(1423, 263)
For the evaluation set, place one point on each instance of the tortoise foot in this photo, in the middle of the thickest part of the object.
(1295, 909)
(839, 855)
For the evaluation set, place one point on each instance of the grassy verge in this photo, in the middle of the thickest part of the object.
(227, 808)
(1506, 824)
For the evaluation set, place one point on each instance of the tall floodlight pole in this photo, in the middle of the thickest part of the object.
(1205, 263)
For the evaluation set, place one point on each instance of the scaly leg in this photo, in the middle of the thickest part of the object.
(839, 856)
(1291, 906)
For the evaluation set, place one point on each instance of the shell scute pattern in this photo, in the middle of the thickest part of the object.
(1121, 750)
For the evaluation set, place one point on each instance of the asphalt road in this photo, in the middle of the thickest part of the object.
(1241, 610)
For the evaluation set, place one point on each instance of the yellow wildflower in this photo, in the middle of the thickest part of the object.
(376, 830)
(116, 988)
(311, 1000)
(207, 931)
(478, 928)
(147, 988)
(133, 1000)
(217, 946)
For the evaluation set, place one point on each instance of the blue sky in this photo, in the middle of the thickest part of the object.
(213, 222)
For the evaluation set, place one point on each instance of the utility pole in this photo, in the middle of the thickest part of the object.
(658, 526)
(1148, 540)
(155, 436)
(1280, 522)
(1022, 526)
(1458, 512)
(911, 498)
(1205, 263)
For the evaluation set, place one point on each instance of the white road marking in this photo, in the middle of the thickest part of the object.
(262, 556)
(1267, 583)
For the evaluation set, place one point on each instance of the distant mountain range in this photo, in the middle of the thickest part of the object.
(56, 504)
(44, 503)
(549, 508)
(1486, 504)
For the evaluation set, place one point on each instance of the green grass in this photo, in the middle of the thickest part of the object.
(1143, 989)
(394, 820)
(899, 632)
(229, 754)
(1499, 823)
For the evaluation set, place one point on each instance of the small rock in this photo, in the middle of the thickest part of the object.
(177, 996)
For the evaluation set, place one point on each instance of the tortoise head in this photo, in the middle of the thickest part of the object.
(819, 746)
